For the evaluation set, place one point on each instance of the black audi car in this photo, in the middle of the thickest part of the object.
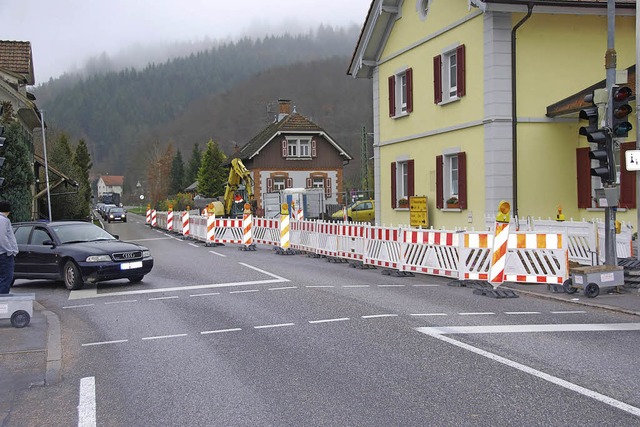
(76, 253)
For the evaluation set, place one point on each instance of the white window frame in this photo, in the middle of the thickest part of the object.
(299, 147)
(279, 183)
(401, 94)
(449, 70)
(317, 182)
(451, 176)
(402, 179)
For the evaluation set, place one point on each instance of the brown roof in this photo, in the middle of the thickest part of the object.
(292, 123)
(112, 180)
(16, 57)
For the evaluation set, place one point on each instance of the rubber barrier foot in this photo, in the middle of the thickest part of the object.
(288, 251)
(336, 260)
(251, 247)
(313, 255)
(397, 273)
(496, 293)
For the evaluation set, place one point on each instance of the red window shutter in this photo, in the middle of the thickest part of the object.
(392, 96)
(313, 148)
(437, 79)
(460, 71)
(439, 183)
(269, 185)
(583, 165)
(627, 179)
(327, 188)
(289, 182)
(394, 196)
(284, 148)
(309, 182)
(409, 77)
(410, 178)
(462, 180)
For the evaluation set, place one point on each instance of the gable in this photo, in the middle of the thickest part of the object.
(16, 57)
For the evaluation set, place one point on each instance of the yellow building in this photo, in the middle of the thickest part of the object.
(448, 78)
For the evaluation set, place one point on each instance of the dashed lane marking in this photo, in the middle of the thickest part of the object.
(205, 295)
(279, 325)
(78, 306)
(522, 312)
(122, 302)
(217, 253)
(488, 313)
(220, 331)
(340, 319)
(429, 314)
(283, 288)
(90, 344)
(569, 312)
(162, 337)
(377, 316)
(244, 292)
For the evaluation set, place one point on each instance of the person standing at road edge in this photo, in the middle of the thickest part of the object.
(8, 248)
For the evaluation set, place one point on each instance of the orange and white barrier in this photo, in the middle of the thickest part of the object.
(537, 258)
(499, 254)
(432, 252)
(211, 226)
(246, 229)
(475, 255)
(383, 248)
(154, 218)
(185, 224)
(170, 220)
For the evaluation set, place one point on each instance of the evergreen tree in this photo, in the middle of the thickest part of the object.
(82, 162)
(17, 171)
(212, 174)
(177, 175)
(65, 201)
(194, 165)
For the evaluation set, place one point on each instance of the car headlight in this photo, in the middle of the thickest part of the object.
(111, 215)
(146, 254)
(98, 258)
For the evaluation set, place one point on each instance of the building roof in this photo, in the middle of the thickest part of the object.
(16, 57)
(574, 103)
(291, 124)
(112, 180)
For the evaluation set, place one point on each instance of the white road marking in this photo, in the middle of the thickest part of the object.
(429, 314)
(536, 373)
(501, 329)
(243, 292)
(161, 298)
(320, 286)
(376, 316)
(487, 313)
(217, 253)
(340, 319)
(218, 331)
(146, 240)
(265, 272)
(78, 306)
(281, 289)
(426, 286)
(87, 402)
(205, 295)
(194, 245)
(568, 312)
(522, 312)
(161, 337)
(391, 286)
(356, 286)
(103, 343)
(273, 326)
(122, 302)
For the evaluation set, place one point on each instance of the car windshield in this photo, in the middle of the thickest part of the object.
(68, 233)
(116, 210)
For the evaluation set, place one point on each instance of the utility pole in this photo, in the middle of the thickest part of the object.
(364, 160)
(610, 66)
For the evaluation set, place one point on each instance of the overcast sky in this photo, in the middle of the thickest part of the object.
(65, 33)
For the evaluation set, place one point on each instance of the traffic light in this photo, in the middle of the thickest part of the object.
(597, 133)
(621, 109)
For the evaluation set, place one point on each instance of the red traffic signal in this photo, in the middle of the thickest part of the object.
(620, 111)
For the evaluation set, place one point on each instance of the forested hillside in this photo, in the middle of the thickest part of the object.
(227, 93)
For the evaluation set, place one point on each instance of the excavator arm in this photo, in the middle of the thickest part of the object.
(238, 174)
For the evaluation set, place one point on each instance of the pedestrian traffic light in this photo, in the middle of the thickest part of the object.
(597, 133)
(621, 109)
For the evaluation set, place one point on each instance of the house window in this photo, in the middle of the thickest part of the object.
(299, 147)
(318, 182)
(279, 183)
(401, 93)
(451, 179)
(423, 8)
(402, 182)
(449, 75)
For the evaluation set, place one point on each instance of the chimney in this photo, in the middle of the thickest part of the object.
(284, 108)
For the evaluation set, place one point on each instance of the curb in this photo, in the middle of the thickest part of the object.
(54, 346)
(584, 303)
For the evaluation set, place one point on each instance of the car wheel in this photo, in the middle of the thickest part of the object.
(72, 276)
(136, 279)
(20, 319)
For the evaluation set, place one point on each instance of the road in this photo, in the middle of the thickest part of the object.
(215, 336)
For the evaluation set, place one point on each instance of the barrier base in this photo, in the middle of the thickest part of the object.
(288, 251)
(362, 266)
(336, 260)
(396, 273)
(213, 244)
(486, 289)
(313, 255)
(251, 247)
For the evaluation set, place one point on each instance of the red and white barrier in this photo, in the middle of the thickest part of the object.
(327, 239)
(148, 220)
(383, 248)
(430, 252)
(170, 220)
(304, 235)
(246, 229)
(154, 218)
(351, 241)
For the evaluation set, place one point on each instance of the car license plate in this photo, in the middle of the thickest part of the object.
(130, 265)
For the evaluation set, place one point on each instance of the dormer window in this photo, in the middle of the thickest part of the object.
(298, 147)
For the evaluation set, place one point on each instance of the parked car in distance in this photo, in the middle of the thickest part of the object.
(117, 214)
(76, 253)
(358, 211)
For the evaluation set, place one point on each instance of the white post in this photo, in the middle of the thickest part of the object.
(46, 164)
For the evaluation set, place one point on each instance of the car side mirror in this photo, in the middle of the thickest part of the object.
(116, 236)
(48, 243)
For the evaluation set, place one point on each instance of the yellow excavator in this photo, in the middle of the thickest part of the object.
(239, 190)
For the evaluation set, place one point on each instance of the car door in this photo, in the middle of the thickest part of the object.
(22, 238)
(43, 257)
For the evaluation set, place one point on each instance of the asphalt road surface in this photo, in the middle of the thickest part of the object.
(215, 336)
